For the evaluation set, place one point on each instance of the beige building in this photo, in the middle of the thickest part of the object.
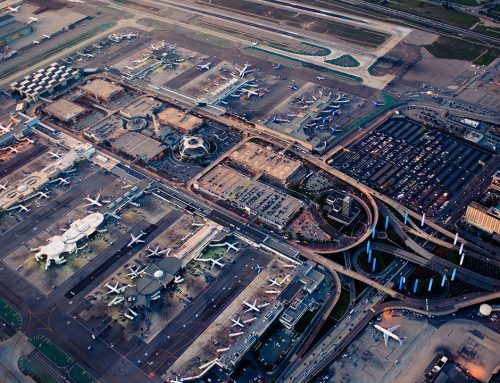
(178, 119)
(261, 159)
(103, 90)
(483, 218)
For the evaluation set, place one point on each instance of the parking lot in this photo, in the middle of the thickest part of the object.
(425, 170)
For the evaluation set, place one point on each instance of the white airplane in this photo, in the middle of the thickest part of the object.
(129, 36)
(35, 19)
(4, 129)
(251, 307)
(13, 9)
(134, 272)
(62, 181)
(230, 246)
(259, 268)
(204, 66)
(47, 36)
(388, 333)
(136, 239)
(237, 322)
(320, 78)
(154, 47)
(242, 72)
(116, 301)
(29, 141)
(157, 252)
(140, 61)
(112, 289)
(36, 42)
(43, 194)
(93, 202)
(251, 93)
(89, 55)
(274, 282)
(3, 187)
(56, 154)
(215, 262)
(22, 208)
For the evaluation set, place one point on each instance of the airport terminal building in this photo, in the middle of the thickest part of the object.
(12, 29)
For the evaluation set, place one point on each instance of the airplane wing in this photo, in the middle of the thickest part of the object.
(393, 328)
(386, 338)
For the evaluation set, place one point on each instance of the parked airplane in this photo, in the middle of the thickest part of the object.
(136, 239)
(251, 307)
(293, 87)
(204, 66)
(93, 202)
(62, 181)
(29, 141)
(129, 36)
(56, 154)
(43, 194)
(135, 272)
(378, 103)
(114, 289)
(237, 322)
(259, 268)
(116, 301)
(230, 246)
(388, 333)
(13, 9)
(274, 282)
(156, 252)
(320, 78)
(251, 93)
(215, 262)
(21, 208)
(277, 66)
(47, 36)
(35, 19)
(5, 129)
(36, 42)
(3, 187)
(242, 72)
(154, 47)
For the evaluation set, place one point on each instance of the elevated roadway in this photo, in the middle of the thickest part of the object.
(304, 370)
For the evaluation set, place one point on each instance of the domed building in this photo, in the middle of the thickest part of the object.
(193, 148)
(79, 231)
(152, 281)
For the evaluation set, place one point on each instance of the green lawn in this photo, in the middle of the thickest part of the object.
(345, 61)
(51, 351)
(434, 12)
(310, 65)
(451, 48)
(465, 2)
(319, 51)
(487, 30)
(80, 375)
(31, 368)
(9, 315)
(342, 305)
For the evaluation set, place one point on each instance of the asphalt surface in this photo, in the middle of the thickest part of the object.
(178, 335)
